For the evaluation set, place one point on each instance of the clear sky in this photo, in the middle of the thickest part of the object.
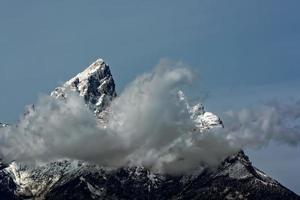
(243, 51)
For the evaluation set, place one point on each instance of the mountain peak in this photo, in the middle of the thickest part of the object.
(96, 67)
(95, 84)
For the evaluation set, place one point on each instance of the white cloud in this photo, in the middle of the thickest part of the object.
(147, 125)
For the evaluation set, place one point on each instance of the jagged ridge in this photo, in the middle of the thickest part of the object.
(234, 178)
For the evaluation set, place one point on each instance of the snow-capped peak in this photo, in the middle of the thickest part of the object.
(202, 120)
(95, 67)
(95, 84)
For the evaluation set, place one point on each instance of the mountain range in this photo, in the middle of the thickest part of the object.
(234, 178)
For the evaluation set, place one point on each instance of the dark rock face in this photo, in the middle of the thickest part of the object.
(7, 186)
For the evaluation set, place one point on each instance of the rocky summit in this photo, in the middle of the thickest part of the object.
(95, 84)
(234, 178)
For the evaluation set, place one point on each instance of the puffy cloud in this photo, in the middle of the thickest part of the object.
(256, 126)
(146, 125)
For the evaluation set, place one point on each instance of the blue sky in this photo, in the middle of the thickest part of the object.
(242, 51)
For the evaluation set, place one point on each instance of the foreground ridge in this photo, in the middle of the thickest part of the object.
(234, 178)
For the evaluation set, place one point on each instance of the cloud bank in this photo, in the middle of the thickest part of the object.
(147, 125)
(256, 126)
